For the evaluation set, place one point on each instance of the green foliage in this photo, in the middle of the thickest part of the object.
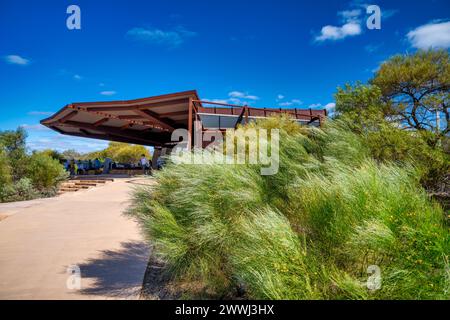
(360, 99)
(308, 232)
(5, 174)
(71, 154)
(416, 86)
(371, 112)
(19, 191)
(53, 154)
(44, 171)
(13, 144)
(121, 152)
(24, 176)
(391, 144)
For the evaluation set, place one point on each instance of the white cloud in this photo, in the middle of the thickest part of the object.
(108, 93)
(16, 59)
(338, 33)
(351, 20)
(350, 15)
(432, 35)
(40, 113)
(34, 127)
(236, 97)
(217, 100)
(293, 102)
(171, 38)
(77, 77)
(280, 97)
(242, 95)
(330, 106)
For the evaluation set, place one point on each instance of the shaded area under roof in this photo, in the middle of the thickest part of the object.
(150, 121)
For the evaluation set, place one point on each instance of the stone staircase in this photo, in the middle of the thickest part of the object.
(77, 184)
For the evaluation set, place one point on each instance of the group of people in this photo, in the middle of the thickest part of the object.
(147, 164)
(82, 166)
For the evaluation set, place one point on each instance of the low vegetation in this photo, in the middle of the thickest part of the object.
(308, 232)
(350, 200)
(25, 176)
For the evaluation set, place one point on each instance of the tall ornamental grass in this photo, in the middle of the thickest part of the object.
(311, 231)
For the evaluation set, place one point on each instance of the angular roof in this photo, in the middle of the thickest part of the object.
(147, 121)
(151, 121)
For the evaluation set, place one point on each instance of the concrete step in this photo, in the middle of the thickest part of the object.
(85, 185)
(81, 184)
(68, 189)
(90, 181)
(78, 179)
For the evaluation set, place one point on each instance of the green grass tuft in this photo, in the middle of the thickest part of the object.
(309, 232)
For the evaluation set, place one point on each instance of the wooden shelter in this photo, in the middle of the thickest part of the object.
(151, 121)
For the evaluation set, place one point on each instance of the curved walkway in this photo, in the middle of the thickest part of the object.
(45, 242)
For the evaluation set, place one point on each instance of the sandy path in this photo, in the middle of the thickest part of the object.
(39, 240)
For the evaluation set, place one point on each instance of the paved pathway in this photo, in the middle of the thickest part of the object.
(41, 239)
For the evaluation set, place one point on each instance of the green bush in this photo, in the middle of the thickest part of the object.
(308, 232)
(44, 171)
(19, 191)
(5, 175)
(390, 144)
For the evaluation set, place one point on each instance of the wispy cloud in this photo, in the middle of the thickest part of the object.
(16, 59)
(236, 97)
(290, 103)
(170, 38)
(242, 95)
(108, 93)
(350, 15)
(34, 127)
(241, 98)
(77, 77)
(40, 113)
(431, 35)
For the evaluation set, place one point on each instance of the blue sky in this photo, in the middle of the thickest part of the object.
(265, 53)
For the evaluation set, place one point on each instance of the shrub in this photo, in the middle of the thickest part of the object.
(5, 174)
(19, 191)
(13, 144)
(308, 232)
(44, 171)
(390, 144)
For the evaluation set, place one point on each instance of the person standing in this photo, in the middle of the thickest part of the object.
(144, 164)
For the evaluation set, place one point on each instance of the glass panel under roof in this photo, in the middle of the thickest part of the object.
(211, 121)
